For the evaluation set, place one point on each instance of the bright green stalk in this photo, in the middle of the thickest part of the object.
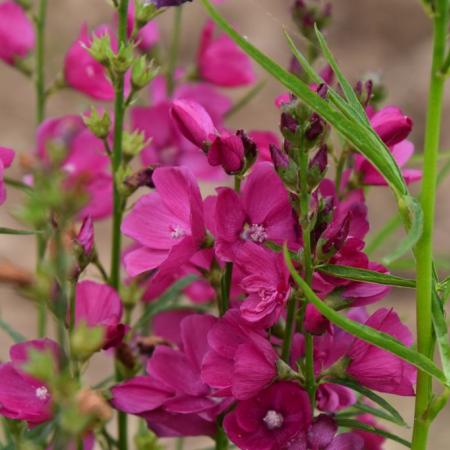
(424, 247)
(119, 113)
(40, 21)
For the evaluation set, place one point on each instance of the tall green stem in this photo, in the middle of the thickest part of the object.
(119, 113)
(424, 248)
(40, 21)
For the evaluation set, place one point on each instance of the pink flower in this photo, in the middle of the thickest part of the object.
(193, 122)
(99, 305)
(172, 398)
(393, 128)
(23, 397)
(322, 436)
(85, 161)
(82, 72)
(168, 224)
(240, 361)
(6, 159)
(85, 237)
(260, 213)
(148, 36)
(227, 151)
(378, 369)
(263, 141)
(333, 397)
(16, 32)
(271, 420)
(266, 281)
(221, 62)
(372, 441)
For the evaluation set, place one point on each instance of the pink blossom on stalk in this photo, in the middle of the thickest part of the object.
(82, 72)
(6, 159)
(23, 397)
(16, 32)
(167, 224)
(272, 420)
(378, 369)
(221, 61)
(266, 281)
(85, 160)
(227, 150)
(99, 305)
(172, 398)
(240, 361)
(193, 122)
(393, 127)
(260, 212)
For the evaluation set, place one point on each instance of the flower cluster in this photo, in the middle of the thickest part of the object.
(211, 332)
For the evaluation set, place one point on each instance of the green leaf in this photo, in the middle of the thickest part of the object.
(365, 275)
(164, 301)
(11, 332)
(4, 230)
(391, 413)
(368, 334)
(362, 138)
(356, 424)
(441, 332)
(345, 85)
(413, 212)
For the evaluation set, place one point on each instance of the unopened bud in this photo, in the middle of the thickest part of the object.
(85, 341)
(317, 167)
(123, 59)
(100, 49)
(142, 73)
(98, 123)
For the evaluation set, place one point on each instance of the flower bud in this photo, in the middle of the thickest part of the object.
(228, 152)
(142, 73)
(335, 238)
(307, 13)
(315, 128)
(193, 121)
(141, 178)
(145, 12)
(100, 49)
(98, 124)
(285, 167)
(123, 59)
(166, 3)
(85, 341)
(317, 167)
(250, 148)
(391, 125)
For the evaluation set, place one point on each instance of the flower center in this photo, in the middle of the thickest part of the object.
(42, 393)
(255, 232)
(176, 232)
(273, 420)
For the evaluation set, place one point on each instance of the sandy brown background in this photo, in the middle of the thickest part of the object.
(392, 37)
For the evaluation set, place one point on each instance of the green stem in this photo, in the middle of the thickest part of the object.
(116, 158)
(174, 50)
(288, 332)
(221, 439)
(424, 247)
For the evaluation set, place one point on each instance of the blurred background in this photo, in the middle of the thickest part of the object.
(389, 37)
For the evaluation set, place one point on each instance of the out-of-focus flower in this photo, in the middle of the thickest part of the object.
(16, 32)
(221, 61)
(6, 159)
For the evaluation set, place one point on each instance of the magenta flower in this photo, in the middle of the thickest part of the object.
(147, 36)
(23, 397)
(221, 61)
(266, 281)
(393, 127)
(168, 224)
(99, 305)
(240, 361)
(271, 420)
(372, 441)
(168, 146)
(227, 150)
(85, 161)
(82, 72)
(6, 159)
(85, 237)
(322, 436)
(193, 122)
(172, 398)
(16, 32)
(333, 397)
(378, 369)
(260, 213)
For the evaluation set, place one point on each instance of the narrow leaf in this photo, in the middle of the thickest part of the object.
(441, 332)
(368, 334)
(365, 275)
(4, 230)
(169, 296)
(11, 332)
(363, 139)
(415, 228)
(355, 424)
(392, 413)
(345, 85)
